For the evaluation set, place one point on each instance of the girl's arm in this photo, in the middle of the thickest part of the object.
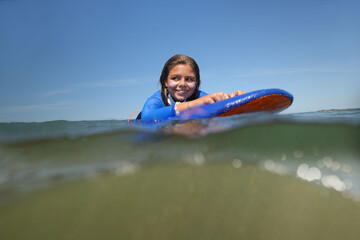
(155, 110)
(208, 99)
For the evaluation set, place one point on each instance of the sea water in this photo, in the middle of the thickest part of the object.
(251, 176)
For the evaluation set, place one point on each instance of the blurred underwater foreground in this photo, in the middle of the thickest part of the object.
(250, 176)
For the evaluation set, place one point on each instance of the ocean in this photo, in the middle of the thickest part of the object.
(251, 176)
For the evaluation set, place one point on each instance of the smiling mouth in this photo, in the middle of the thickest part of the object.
(181, 92)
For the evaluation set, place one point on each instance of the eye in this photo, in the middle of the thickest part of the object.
(190, 79)
(175, 78)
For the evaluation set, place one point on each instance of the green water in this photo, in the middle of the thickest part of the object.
(176, 201)
(255, 176)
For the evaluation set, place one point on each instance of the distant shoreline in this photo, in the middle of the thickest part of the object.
(335, 110)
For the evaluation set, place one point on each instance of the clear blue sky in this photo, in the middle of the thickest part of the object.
(97, 60)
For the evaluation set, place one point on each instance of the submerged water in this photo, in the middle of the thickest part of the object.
(257, 176)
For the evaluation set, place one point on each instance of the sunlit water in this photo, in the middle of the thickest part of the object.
(244, 176)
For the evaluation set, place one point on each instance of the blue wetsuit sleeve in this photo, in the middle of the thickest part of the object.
(155, 109)
(202, 94)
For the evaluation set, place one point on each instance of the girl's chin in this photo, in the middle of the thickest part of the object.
(181, 98)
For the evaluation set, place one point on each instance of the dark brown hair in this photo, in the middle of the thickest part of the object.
(170, 64)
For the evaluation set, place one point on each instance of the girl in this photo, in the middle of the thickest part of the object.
(180, 82)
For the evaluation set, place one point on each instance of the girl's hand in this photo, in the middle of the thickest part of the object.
(209, 99)
(206, 100)
(237, 93)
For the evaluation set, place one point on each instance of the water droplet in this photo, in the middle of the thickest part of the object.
(298, 154)
(308, 173)
(320, 164)
(327, 161)
(313, 174)
(199, 158)
(126, 168)
(346, 169)
(275, 167)
(334, 182)
(269, 165)
(236, 163)
(302, 170)
(335, 166)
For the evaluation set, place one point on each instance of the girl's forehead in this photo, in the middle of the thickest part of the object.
(182, 68)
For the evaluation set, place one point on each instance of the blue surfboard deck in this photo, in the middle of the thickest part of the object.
(269, 100)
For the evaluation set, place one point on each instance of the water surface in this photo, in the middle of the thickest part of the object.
(254, 176)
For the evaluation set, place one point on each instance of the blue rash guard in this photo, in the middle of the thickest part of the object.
(155, 109)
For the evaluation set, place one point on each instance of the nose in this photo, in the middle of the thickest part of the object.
(182, 82)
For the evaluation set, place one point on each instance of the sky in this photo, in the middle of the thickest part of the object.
(100, 60)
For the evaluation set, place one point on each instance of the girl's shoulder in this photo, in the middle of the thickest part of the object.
(157, 94)
(155, 99)
(202, 94)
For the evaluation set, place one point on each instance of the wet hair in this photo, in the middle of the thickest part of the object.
(170, 64)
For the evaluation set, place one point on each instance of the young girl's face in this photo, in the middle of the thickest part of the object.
(181, 82)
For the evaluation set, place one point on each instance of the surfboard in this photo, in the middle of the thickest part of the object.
(266, 100)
